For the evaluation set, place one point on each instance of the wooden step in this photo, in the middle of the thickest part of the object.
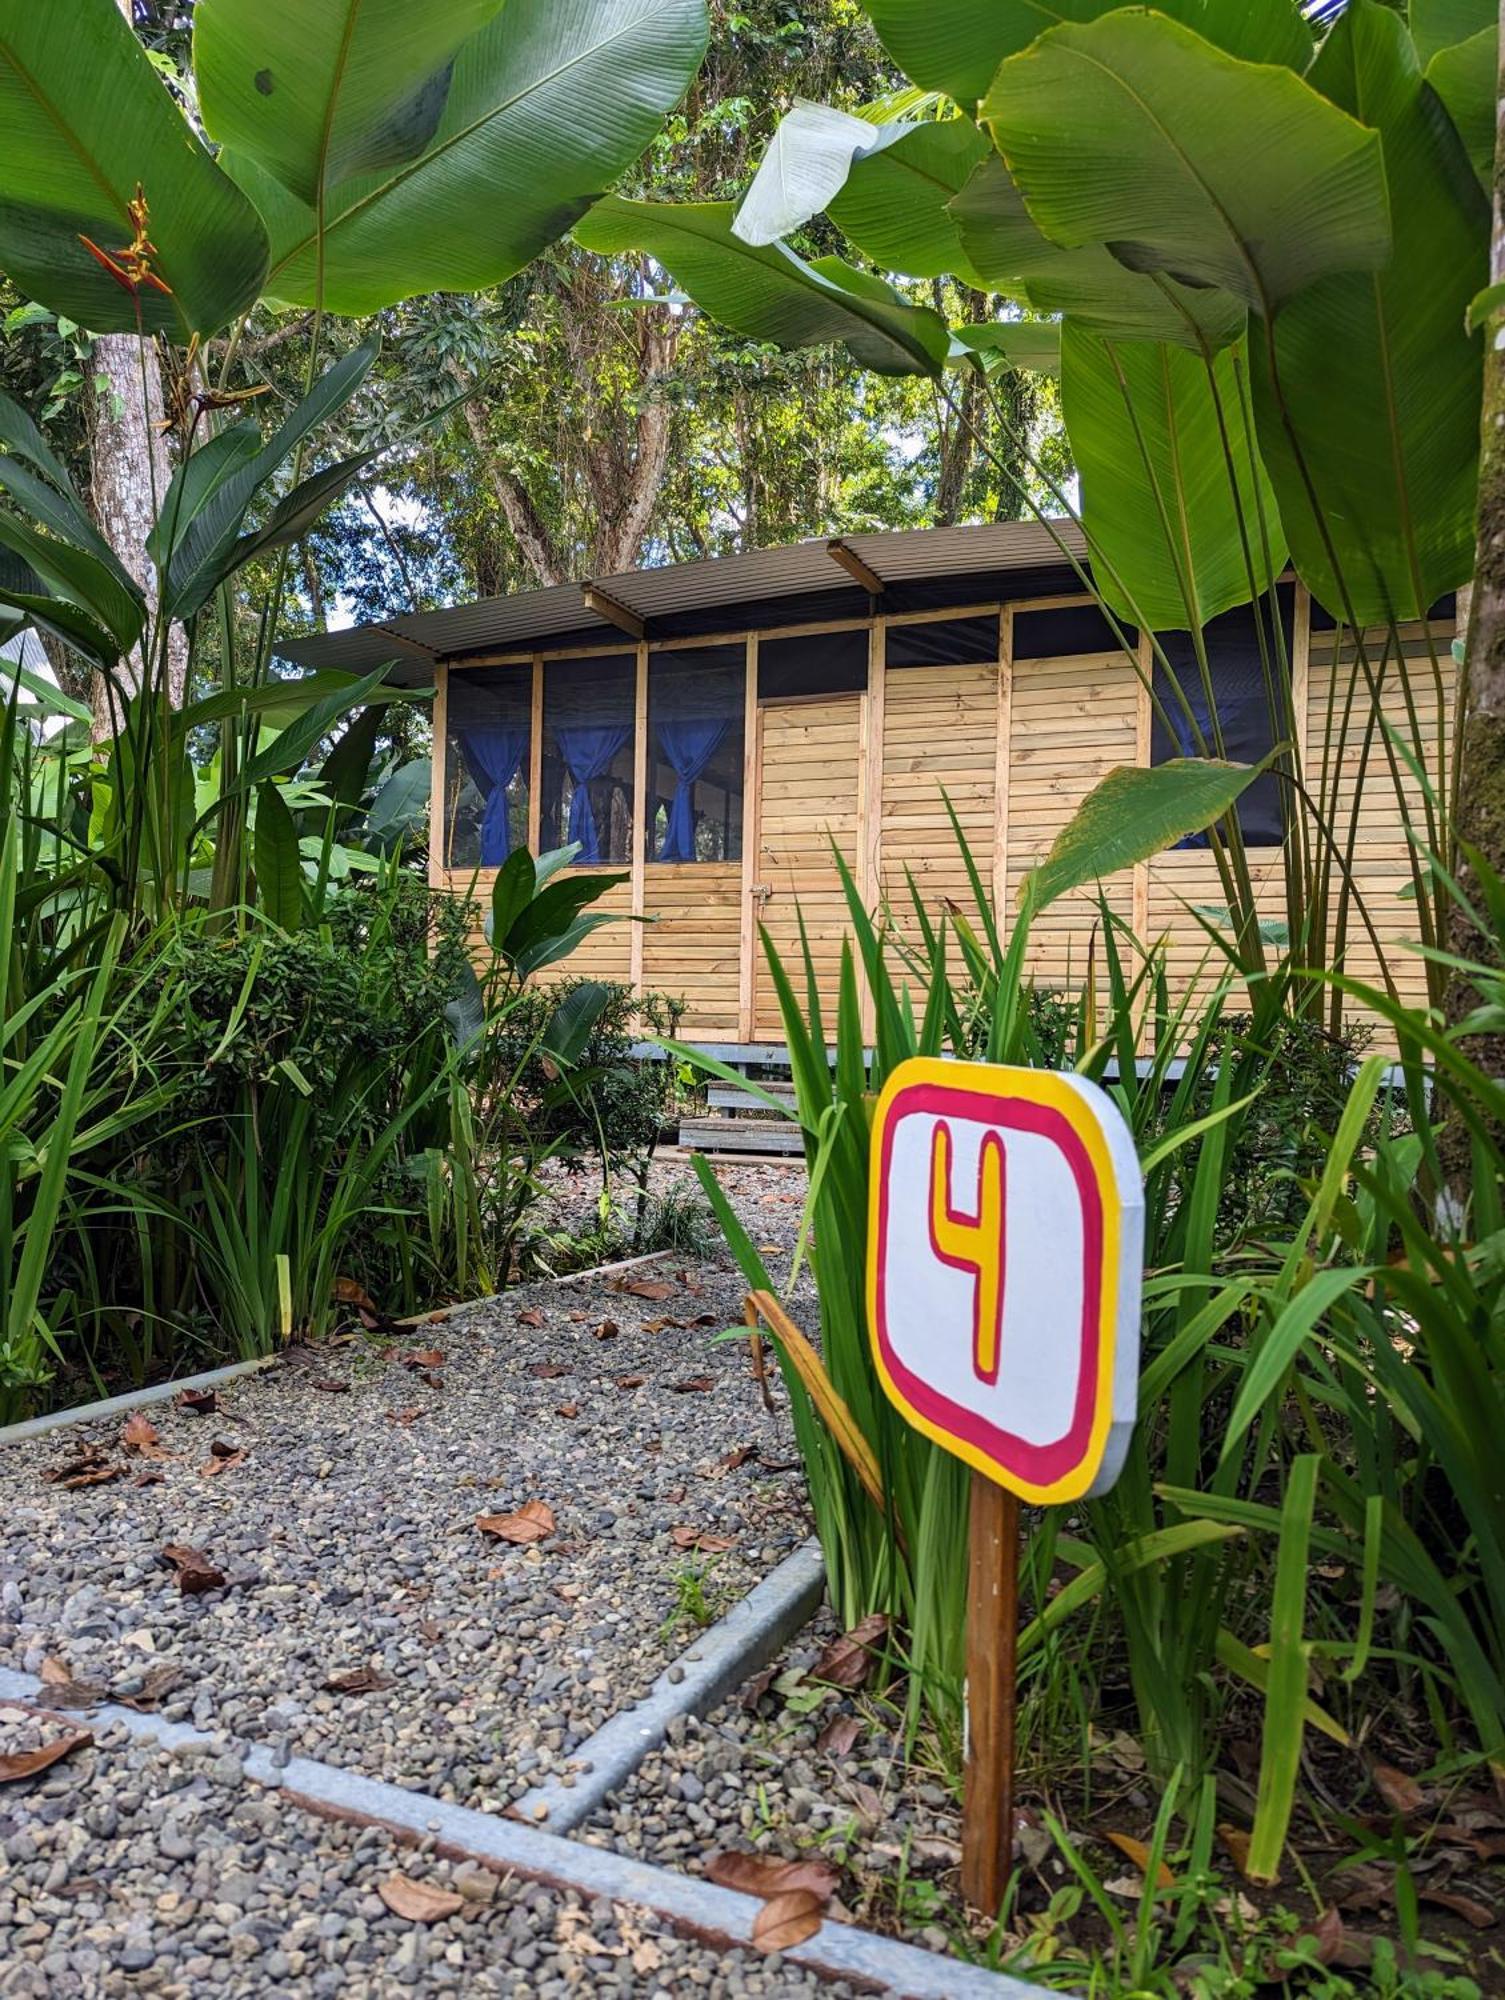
(736, 1097)
(740, 1135)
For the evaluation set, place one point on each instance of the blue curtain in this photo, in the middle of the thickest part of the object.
(688, 745)
(493, 753)
(588, 749)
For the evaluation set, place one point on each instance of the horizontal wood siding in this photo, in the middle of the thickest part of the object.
(939, 732)
(809, 788)
(1072, 721)
(1418, 704)
(691, 949)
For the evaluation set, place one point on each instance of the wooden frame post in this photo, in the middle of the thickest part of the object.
(535, 759)
(747, 943)
(1144, 716)
(992, 1645)
(1003, 750)
(639, 819)
(438, 817)
(868, 859)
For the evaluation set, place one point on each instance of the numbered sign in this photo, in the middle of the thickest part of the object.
(1005, 1248)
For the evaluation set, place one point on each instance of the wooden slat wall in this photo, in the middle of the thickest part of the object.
(692, 949)
(810, 784)
(1382, 850)
(1071, 721)
(1017, 763)
(939, 729)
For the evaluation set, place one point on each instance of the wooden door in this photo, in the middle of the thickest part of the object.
(809, 781)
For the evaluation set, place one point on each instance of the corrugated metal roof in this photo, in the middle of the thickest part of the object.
(686, 592)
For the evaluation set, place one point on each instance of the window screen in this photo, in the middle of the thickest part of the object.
(1070, 628)
(814, 663)
(489, 714)
(696, 705)
(943, 642)
(588, 711)
(1250, 715)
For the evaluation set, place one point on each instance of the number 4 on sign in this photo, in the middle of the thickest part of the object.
(1005, 1252)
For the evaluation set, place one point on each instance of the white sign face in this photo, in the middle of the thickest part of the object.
(1005, 1253)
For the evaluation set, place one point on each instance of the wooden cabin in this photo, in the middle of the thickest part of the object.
(710, 728)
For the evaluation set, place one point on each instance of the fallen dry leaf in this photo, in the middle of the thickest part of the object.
(222, 1457)
(771, 1249)
(91, 1466)
(658, 1325)
(787, 1920)
(76, 1694)
(766, 1875)
(693, 1385)
(154, 1686)
(359, 1680)
(1480, 1915)
(646, 1288)
(350, 1292)
(758, 1686)
(18, 1764)
(631, 1381)
(139, 1434)
(419, 1902)
(1236, 1840)
(408, 1416)
(151, 1475)
(848, 1661)
(737, 1458)
(420, 1358)
(533, 1522)
(531, 1316)
(839, 1735)
(1398, 1789)
(1139, 1854)
(702, 1541)
(201, 1402)
(195, 1572)
(607, 1330)
(546, 1371)
(332, 1387)
(55, 1672)
(567, 1410)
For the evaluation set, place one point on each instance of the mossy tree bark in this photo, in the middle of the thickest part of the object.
(1480, 749)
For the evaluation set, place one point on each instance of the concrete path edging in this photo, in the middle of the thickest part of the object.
(135, 1399)
(728, 1653)
(690, 1905)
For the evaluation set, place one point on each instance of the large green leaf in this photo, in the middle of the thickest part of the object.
(767, 292)
(895, 202)
(1135, 132)
(80, 577)
(1376, 375)
(957, 45)
(886, 186)
(279, 865)
(1003, 244)
(1134, 813)
(83, 119)
(205, 551)
(317, 90)
(1441, 24)
(1033, 344)
(1158, 488)
(546, 107)
(1467, 79)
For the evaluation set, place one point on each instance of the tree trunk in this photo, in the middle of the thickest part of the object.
(1480, 745)
(128, 461)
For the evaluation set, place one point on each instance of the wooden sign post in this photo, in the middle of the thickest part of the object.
(1005, 1253)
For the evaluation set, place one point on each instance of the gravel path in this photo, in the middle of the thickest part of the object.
(760, 1772)
(348, 1535)
(128, 1869)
